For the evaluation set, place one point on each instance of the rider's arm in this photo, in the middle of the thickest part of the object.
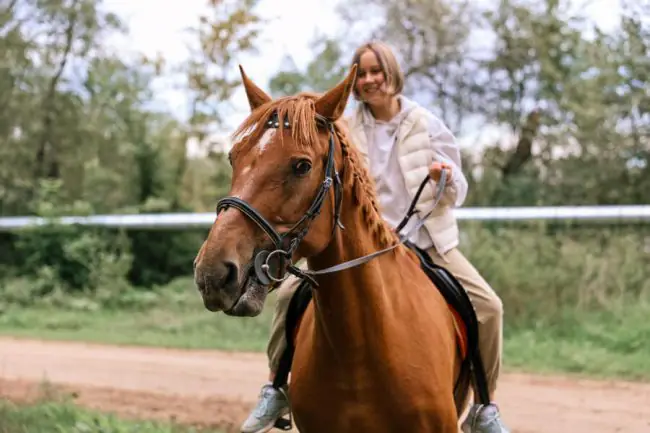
(446, 150)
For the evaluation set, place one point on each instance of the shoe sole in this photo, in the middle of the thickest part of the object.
(267, 427)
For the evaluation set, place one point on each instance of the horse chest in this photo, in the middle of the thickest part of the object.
(373, 401)
(395, 379)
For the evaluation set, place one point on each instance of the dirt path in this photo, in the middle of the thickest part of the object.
(215, 388)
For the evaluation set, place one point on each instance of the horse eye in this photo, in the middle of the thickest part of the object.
(301, 167)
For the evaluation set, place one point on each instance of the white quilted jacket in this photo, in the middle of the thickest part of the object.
(421, 139)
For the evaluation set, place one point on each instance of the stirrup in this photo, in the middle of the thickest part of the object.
(283, 424)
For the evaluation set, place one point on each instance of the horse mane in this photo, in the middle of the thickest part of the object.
(300, 110)
(357, 177)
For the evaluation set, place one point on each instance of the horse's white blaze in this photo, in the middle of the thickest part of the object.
(266, 139)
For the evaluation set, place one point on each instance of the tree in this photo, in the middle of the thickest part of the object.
(226, 31)
(323, 72)
(432, 41)
(570, 109)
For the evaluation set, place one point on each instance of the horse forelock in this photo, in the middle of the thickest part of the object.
(298, 109)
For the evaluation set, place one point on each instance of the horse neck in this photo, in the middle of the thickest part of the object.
(349, 303)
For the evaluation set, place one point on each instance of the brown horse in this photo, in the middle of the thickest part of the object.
(376, 350)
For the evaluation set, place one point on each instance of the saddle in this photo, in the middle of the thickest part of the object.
(460, 307)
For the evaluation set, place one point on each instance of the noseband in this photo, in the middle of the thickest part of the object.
(286, 243)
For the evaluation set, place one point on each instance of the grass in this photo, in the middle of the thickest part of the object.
(172, 317)
(56, 416)
(601, 344)
(610, 344)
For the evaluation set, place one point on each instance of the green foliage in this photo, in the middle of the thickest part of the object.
(321, 74)
(486, 66)
(172, 315)
(65, 257)
(81, 133)
(604, 344)
(159, 257)
(62, 258)
(230, 28)
(542, 271)
(54, 414)
(80, 259)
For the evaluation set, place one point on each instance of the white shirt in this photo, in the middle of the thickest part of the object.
(389, 182)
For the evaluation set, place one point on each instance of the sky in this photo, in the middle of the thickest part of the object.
(159, 27)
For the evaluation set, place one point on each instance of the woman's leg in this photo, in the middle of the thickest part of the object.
(489, 312)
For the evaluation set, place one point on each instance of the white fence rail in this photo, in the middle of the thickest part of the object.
(595, 214)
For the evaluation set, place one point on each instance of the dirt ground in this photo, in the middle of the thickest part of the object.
(210, 388)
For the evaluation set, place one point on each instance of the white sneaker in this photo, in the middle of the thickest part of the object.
(484, 419)
(271, 406)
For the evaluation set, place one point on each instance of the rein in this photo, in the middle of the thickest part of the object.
(402, 238)
(286, 243)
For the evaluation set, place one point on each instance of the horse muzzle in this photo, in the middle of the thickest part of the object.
(229, 288)
(219, 285)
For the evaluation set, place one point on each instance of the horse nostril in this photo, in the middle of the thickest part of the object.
(230, 276)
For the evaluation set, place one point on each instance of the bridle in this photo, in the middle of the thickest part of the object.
(285, 244)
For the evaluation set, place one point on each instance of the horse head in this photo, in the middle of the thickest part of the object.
(284, 199)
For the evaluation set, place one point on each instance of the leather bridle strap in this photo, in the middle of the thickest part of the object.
(309, 274)
(252, 214)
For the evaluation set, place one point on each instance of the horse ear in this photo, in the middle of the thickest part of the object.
(332, 104)
(256, 96)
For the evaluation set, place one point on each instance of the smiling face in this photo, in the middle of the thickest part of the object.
(276, 171)
(379, 76)
(371, 80)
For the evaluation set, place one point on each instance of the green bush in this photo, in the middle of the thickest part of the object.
(82, 259)
(42, 260)
(159, 256)
(541, 270)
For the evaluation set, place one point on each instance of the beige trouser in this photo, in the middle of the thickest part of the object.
(487, 304)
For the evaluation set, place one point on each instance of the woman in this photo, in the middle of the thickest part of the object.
(402, 141)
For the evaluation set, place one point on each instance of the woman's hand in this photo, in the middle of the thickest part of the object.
(435, 171)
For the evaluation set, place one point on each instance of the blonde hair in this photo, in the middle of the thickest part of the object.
(388, 63)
